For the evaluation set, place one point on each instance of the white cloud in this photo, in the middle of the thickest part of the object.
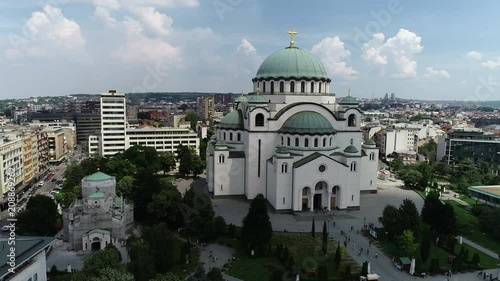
(473, 55)
(142, 49)
(435, 73)
(396, 55)
(333, 54)
(49, 33)
(109, 4)
(246, 48)
(104, 14)
(491, 64)
(462, 83)
(157, 22)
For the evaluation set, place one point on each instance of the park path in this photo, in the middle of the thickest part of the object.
(480, 248)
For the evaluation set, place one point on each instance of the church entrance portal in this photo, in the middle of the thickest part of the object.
(333, 200)
(305, 204)
(96, 244)
(317, 202)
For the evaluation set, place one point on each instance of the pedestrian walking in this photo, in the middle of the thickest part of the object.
(367, 252)
(376, 255)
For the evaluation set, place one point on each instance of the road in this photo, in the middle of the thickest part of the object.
(48, 185)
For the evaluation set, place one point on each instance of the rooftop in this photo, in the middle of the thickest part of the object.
(26, 247)
(98, 176)
(491, 190)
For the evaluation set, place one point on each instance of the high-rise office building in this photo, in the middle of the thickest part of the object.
(113, 123)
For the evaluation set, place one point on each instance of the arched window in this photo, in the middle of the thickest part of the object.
(305, 191)
(231, 136)
(288, 141)
(302, 87)
(320, 84)
(264, 87)
(284, 168)
(259, 120)
(351, 121)
(297, 142)
(312, 87)
(372, 156)
(224, 135)
(282, 87)
(306, 142)
(292, 87)
(239, 136)
(353, 167)
(331, 139)
(324, 142)
(316, 142)
(272, 87)
(222, 158)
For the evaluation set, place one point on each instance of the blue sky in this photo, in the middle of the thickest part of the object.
(416, 49)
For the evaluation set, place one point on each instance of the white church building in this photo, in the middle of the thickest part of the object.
(292, 141)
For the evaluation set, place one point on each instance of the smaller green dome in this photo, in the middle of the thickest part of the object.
(370, 142)
(221, 142)
(97, 195)
(257, 99)
(232, 120)
(98, 176)
(349, 101)
(282, 150)
(307, 122)
(351, 149)
(241, 98)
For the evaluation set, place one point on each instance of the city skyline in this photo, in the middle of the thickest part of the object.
(414, 49)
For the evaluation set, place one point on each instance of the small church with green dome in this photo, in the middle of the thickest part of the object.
(100, 217)
(292, 140)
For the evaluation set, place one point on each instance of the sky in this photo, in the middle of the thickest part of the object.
(435, 50)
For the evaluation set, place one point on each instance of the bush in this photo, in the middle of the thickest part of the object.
(220, 225)
(322, 273)
(215, 274)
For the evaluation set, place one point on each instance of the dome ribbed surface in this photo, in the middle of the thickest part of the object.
(257, 99)
(351, 149)
(232, 120)
(307, 122)
(349, 100)
(291, 62)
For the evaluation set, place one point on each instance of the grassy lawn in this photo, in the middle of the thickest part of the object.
(468, 226)
(305, 250)
(487, 262)
(183, 270)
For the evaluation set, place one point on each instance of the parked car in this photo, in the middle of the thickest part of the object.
(40, 183)
(54, 180)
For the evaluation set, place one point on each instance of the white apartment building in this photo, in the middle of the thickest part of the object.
(397, 139)
(11, 157)
(162, 139)
(113, 123)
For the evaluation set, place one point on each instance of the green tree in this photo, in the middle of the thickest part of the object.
(161, 244)
(120, 167)
(101, 263)
(257, 229)
(322, 273)
(110, 274)
(364, 269)
(313, 229)
(39, 218)
(167, 161)
(215, 274)
(338, 256)
(429, 150)
(408, 217)
(276, 274)
(425, 249)
(412, 178)
(220, 225)
(397, 164)
(390, 220)
(203, 149)
(446, 223)
(432, 206)
(406, 243)
(476, 260)
(165, 205)
(124, 186)
(197, 210)
(142, 263)
(324, 240)
(488, 220)
(347, 272)
(146, 159)
(192, 118)
(183, 107)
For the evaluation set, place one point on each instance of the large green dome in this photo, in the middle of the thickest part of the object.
(232, 120)
(307, 122)
(291, 62)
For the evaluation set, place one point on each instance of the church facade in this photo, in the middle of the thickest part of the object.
(99, 218)
(293, 141)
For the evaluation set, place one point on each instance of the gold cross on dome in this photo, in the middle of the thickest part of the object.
(292, 34)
